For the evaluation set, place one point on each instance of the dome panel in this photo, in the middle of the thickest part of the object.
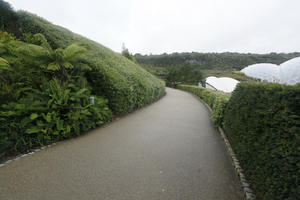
(290, 71)
(263, 71)
(224, 84)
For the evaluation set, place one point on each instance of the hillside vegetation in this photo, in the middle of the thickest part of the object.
(210, 64)
(47, 76)
(123, 82)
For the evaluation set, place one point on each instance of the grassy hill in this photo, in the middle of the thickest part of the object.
(55, 84)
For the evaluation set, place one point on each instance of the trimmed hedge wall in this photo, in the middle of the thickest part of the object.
(217, 100)
(262, 122)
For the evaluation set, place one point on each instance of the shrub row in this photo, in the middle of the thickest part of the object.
(262, 122)
(217, 100)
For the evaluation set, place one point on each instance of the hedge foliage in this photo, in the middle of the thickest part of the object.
(262, 121)
(217, 100)
(44, 95)
(124, 83)
(47, 76)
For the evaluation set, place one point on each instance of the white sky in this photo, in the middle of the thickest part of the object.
(158, 26)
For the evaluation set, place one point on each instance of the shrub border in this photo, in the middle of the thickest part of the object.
(248, 192)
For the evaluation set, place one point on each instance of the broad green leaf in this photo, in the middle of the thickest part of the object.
(34, 129)
(4, 65)
(33, 116)
(53, 66)
(67, 65)
(60, 125)
(47, 117)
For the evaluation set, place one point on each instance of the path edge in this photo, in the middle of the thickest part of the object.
(248, 192)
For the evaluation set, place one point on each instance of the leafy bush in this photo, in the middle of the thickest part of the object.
(52, 113)
(262, 121)
(44, 96)
(47, 77)
(217, 100)
(186, 74)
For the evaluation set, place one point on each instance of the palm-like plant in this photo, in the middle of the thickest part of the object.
(4, 66)
(58, 61)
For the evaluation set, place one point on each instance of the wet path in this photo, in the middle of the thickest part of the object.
(166, 151)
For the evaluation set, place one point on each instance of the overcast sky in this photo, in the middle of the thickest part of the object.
(158, 26)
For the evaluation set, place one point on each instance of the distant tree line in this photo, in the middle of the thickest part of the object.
(225, 61)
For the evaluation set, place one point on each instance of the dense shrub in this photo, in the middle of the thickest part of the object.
(217, 100)
(124, 83)
(262, 121)
(54, 112)
(47, 76)
(8, 18)
(44, 95)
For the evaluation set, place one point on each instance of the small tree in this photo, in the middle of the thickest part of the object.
(127, 54)
(185, 74)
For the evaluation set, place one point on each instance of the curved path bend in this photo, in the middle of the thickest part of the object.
(168, 150)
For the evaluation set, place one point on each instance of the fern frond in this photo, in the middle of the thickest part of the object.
(44, 43)
(54, 66)
(4, 65)
(73, 52)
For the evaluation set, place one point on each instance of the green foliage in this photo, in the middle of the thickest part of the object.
(186, 74)
(37, 105)
(8, 18)
(127, 54)
(262, 121)
(210, 64)
(221, 61)
(124, 83)
(47, 76)
(53, 112)
(217, 100)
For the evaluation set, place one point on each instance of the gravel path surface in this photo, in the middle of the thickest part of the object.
(166, 151)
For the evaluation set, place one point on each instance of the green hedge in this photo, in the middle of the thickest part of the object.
(217, 100)
(125, 84)
(262, 121)
(45, 90)
(52, 113)
(39, 104)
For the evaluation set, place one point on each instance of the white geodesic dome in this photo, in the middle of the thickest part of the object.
(286, 73)
(263, 71)
(224, 84)
(290, 72)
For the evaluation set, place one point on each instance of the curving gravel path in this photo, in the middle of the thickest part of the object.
(166, 151)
